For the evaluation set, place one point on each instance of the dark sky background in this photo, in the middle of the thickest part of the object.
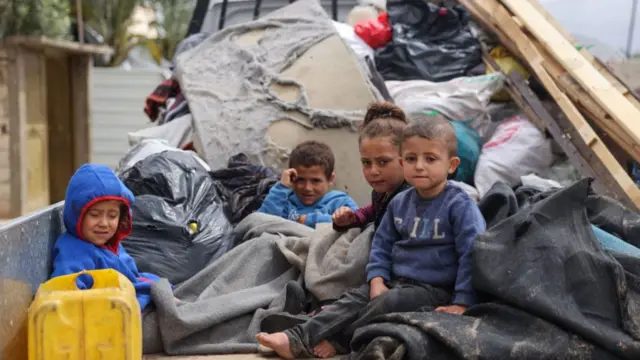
(602, 23)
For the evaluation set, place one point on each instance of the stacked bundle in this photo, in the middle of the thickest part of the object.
(596, 105)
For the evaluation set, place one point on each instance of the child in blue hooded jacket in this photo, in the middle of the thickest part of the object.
(97, 216)
(303, 193)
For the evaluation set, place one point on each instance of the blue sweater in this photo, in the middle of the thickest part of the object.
(72, 254)
(429, 241)
(284, 203)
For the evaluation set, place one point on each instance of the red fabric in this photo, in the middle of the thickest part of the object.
(376, 32)
(158, 98)
(365, 215)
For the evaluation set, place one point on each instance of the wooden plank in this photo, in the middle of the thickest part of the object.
(17, 104)
(37, 155)
(5, 169)
(60, 121)
(81, 68)
(604, 70)
(503, 20)
(582, 70)
(563, 132)
(565, 82)
(579, 96)
(44, 43)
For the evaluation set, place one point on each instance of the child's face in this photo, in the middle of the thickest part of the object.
(381, 164)
(101, 221)
(311, 184)
(426, 164)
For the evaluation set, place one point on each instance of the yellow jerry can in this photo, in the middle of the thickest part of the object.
(103, 322)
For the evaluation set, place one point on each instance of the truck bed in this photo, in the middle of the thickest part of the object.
(208, 357)
(215, 357)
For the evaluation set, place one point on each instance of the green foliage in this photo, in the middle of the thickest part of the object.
(48, 18)
(111, 19)
(173, 22)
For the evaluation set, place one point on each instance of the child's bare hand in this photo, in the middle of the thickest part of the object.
(452, 309)
(288, 177)
(344, 216)
(377, 288)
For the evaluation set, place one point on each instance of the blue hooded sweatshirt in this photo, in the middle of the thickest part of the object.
(90, 185)
(283, 202)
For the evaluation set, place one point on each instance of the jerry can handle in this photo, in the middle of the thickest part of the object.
(84, 281)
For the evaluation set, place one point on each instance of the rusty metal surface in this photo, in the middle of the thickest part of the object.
(26, 244)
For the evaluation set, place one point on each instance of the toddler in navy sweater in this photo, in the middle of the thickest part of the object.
(420, 256)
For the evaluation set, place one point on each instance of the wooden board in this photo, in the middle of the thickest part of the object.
(624, 89)
(5, 168)
(581, 69)
(563, 132)
(37, 150)
(564, 80)
(580, 97)
(60, 123)
(41, 43)
(80, 76)
(17, 131)
(503, 20)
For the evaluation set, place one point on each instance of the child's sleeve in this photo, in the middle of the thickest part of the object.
(380, 257)
(145, 280)
(468, 223)
(320, 216)
(363, 215)
(276, 201)
(70, 262)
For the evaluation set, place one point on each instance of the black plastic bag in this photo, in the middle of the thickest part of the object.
(179, 225)
(245, 184)
(428, 43)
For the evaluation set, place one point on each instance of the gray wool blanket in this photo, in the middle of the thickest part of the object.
(221, 307)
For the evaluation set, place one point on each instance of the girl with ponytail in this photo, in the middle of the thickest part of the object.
(379, 143)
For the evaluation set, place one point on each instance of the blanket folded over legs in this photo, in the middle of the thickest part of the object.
(221, 307)
(553, 293)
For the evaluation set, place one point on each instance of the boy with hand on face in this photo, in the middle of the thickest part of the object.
(420, 255)
(303, 194)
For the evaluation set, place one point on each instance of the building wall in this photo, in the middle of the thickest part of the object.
(118, 98)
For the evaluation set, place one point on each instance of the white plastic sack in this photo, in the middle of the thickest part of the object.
(177, 132)
(536, 182)
(517, 148)
(354, 41)
(470, 190)
(362, 13)
(148, 147)
(464, 99)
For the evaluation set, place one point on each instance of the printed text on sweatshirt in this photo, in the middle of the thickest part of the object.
(429, 241)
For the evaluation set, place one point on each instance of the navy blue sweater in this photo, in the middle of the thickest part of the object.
(429, 241)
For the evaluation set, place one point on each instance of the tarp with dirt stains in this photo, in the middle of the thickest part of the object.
(551, 292)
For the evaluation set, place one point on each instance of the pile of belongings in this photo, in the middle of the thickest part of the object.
(184, 213)
(558, 267)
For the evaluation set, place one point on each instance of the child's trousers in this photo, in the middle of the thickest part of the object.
(338, 321)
